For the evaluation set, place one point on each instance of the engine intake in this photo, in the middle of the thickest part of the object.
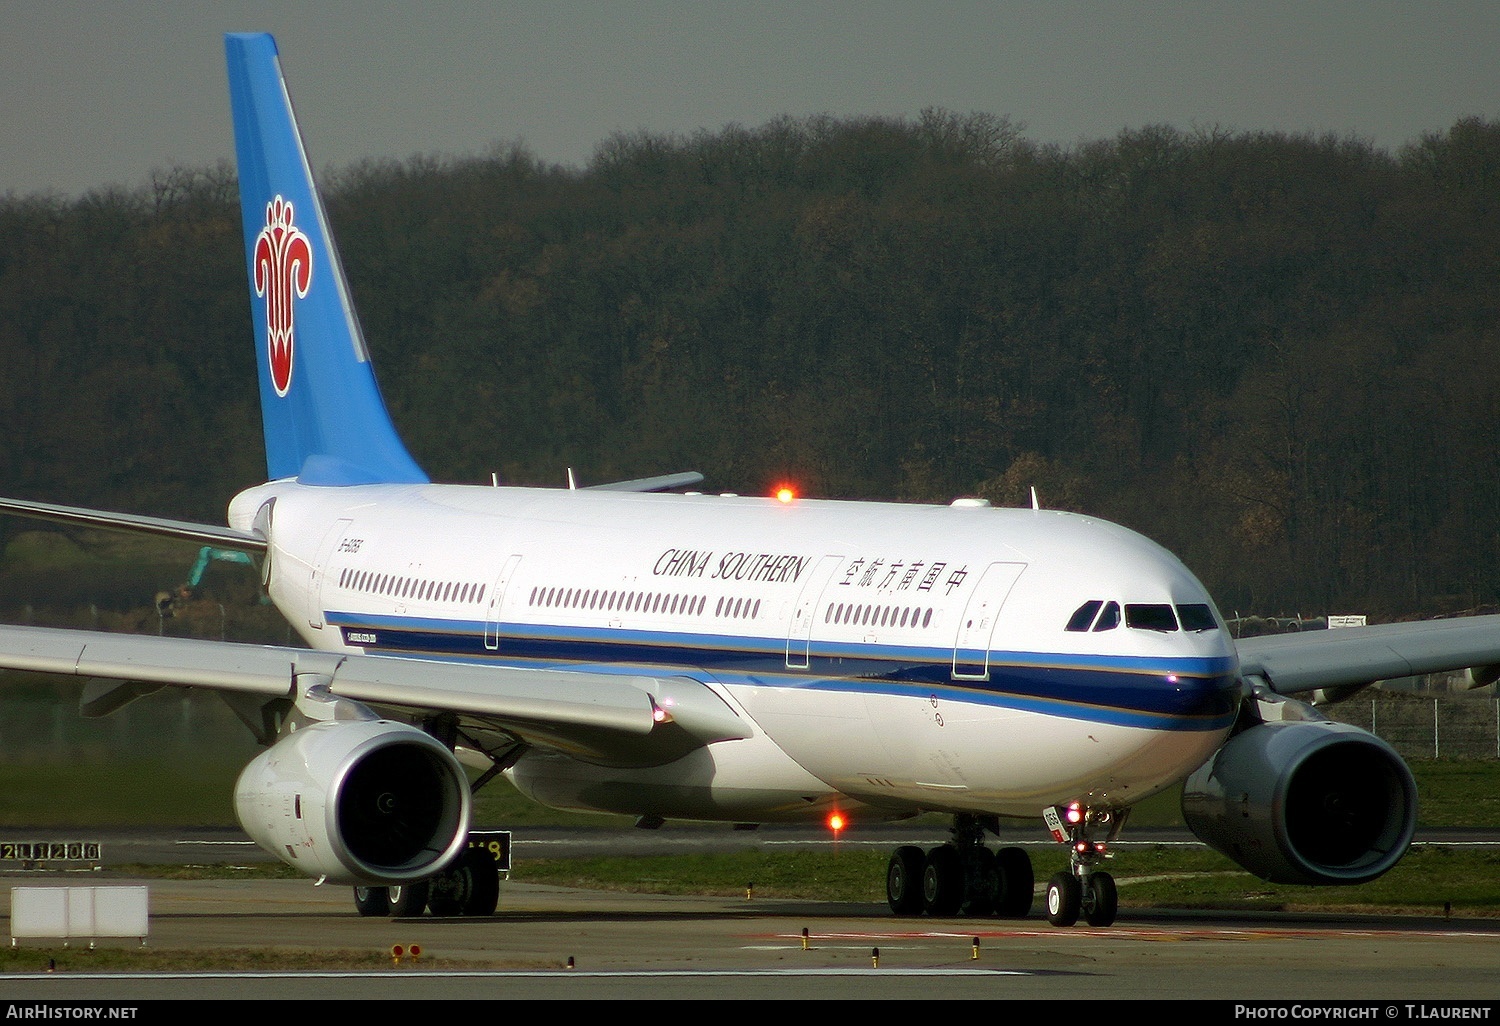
(361, 802)
(1311, 802)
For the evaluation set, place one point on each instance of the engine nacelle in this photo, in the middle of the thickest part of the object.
(1312, 802)
(359, 802)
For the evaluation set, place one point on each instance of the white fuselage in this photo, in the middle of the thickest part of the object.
(904, 657)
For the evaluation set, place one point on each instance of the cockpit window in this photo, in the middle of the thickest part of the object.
(1099, 615)
(1084, 615)
(1151, 616)
(1110, 618)
(1196, 617)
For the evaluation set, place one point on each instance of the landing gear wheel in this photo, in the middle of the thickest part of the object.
(1101, 901)
(371, 901)
(447, 897)
(484, 890)
(981, 885)
(1064, 898)
(408, 900)
(470, 888)
(903, 880)
(1015, 883)
(943, 881)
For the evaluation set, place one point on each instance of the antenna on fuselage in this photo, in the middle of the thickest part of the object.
(1035, 503)
(572, 485)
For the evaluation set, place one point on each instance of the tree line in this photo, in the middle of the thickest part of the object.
(1275, 354)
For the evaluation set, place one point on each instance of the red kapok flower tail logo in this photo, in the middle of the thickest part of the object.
(283, 265)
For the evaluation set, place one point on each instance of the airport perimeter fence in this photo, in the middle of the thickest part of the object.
(1427, 725)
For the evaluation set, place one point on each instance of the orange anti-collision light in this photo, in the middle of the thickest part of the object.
(786, 493)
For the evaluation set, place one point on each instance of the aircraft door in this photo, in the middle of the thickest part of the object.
(799, 634)
(971, 648)
(497, 604)
(319, 574)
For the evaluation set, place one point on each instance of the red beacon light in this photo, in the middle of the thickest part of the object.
(836, 822)
(785, 493)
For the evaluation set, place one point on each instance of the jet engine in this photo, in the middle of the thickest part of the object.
(360, 802)
(1309, 802)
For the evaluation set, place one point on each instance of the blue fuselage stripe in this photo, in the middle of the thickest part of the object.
(1178, 694)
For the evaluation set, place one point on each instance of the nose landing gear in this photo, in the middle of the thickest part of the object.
(1083, 889)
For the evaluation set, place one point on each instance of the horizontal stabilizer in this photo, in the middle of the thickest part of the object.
(660, 483)
(224, 537)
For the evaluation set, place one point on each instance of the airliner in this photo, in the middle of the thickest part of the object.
(653, 649)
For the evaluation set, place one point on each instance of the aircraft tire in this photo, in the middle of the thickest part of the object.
(447, 897)
(371, 901)
(1064, 899)
(903, 880)
(408, 900)
(943, 881)
(981, 884)
(484, 882)
(1102, 901)
(470, 888)
(1015, 883)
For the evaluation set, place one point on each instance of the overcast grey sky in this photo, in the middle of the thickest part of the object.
(101, 92)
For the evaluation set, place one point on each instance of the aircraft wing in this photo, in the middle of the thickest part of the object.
(208, 534)
(615, 717)
(1353, 656)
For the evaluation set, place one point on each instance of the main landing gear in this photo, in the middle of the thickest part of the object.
(964, 877)
(961, 877)
(470, 888)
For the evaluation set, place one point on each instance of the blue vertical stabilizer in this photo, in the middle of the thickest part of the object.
(325, 421)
